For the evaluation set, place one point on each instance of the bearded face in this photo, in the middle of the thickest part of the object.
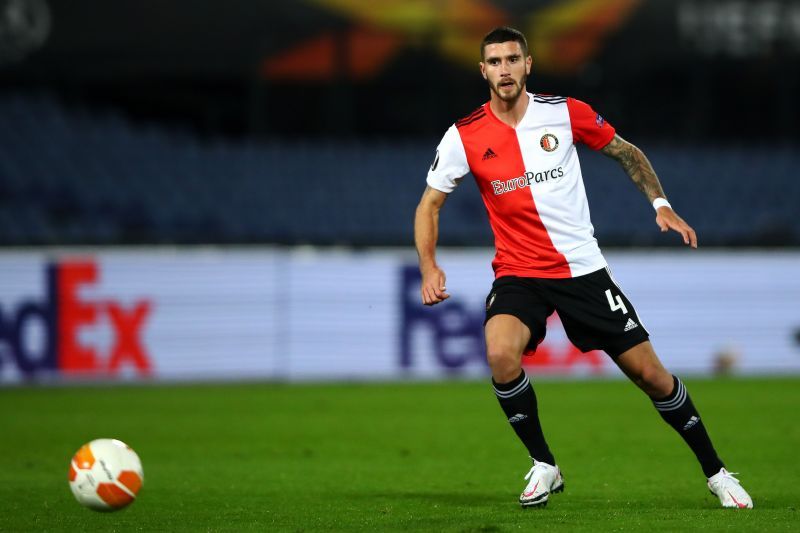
(505, 69)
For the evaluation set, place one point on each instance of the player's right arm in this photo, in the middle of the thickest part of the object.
(426, 234)
(447, 169)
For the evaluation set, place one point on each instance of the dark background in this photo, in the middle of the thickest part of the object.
(710, 84)
(728, 71)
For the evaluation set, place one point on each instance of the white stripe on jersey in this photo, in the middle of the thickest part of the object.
(561, 204)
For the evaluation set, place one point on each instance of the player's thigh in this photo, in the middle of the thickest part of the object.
(515, 311)
(597, 315)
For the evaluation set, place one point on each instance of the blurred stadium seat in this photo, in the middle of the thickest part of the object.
(72, 177)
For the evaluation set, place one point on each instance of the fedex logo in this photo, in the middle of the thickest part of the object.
(452, 333)
(62, 317)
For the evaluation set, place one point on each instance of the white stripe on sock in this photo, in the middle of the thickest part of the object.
(513, 392)
(676, 402)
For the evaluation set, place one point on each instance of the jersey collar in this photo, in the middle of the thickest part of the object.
(528, 112)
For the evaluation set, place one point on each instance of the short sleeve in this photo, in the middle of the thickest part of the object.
(588, 126)
(450, 163)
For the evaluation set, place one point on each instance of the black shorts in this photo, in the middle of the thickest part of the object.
(595, 313)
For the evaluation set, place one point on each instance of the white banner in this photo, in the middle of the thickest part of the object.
(305, 314)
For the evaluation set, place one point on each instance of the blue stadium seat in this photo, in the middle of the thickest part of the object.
(72, 176)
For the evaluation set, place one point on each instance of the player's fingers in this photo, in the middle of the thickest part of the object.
(427, 296)
(662, 224)
(692, 238)
(433, 290)
(433, 298)
(442, 288)
(680, 227)
(684, 230)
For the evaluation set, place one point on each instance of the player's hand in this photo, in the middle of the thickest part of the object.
(667, 219)
(433, 286)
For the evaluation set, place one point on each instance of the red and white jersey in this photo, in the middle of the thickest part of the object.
(531, 184)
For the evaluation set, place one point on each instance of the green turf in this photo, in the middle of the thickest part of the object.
(415, 457)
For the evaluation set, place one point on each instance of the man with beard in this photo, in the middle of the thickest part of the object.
(520, 147)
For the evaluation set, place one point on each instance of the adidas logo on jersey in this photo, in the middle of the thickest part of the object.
(630, 325)
(517, 418)
(488, 154)
(692, 421)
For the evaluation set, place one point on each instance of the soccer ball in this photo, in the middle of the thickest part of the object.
(105, 475)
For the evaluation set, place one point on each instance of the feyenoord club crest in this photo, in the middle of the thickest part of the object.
(548, 142)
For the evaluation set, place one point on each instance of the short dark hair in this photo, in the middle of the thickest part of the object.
(503, 34)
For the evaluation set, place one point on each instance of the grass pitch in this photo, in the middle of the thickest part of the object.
(414, 457)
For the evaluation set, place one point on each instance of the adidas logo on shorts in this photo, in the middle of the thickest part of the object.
(630, 325)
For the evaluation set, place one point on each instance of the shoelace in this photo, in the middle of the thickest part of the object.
(530, 472)
(729, 475)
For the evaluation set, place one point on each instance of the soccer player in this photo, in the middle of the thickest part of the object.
(520, 147)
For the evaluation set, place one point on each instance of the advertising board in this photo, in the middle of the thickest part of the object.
(205, 314)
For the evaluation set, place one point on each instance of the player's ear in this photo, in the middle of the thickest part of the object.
(528, 65)
(483, 69)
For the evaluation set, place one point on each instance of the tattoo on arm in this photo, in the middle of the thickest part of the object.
(636, 166)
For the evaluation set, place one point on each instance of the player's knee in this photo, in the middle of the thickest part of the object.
(655, 380)
(504, 361)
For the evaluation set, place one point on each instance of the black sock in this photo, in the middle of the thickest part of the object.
(678, 411)
(519, 404)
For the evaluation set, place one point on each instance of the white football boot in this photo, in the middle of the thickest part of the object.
(730, 493)
(543, 479)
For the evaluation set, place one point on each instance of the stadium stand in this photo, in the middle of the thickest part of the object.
(70, 176)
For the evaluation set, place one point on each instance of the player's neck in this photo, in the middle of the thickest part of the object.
(510, 112)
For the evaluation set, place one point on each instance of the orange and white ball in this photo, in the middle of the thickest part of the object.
(105, 475)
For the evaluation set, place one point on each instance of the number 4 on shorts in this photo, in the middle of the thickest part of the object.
(616, 303)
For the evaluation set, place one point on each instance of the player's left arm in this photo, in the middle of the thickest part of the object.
(641, 172)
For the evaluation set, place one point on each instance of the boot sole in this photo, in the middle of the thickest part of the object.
(541, 503)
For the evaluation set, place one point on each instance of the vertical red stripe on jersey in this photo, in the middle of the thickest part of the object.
(521, 239)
